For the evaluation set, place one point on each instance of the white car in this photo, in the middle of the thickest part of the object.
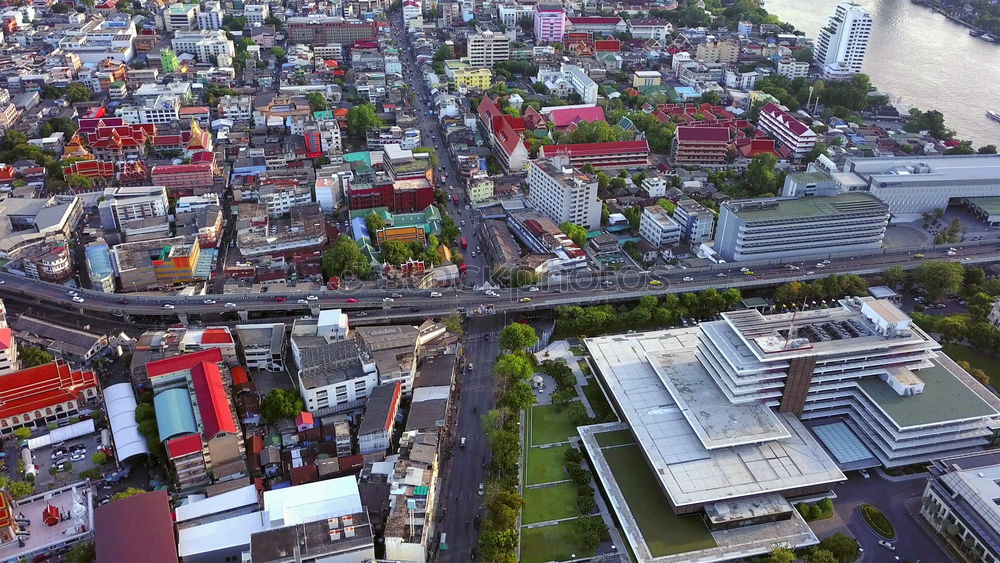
(481, 488)
(312, 298)
(302, 302)
(78, 299)
(887, 544)
(532, 289)
(721, 275)
(436, 294)
(951, 253)
(169, 306)
(209, 302)
(230, 305)
(820, 265)
(688, 279)
(388, 300)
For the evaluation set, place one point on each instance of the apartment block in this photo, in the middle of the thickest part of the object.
(203, 44)
(323, 30)
(564, 194)
(786, 129)
(550, 24)
(843, 43)
(488, 48)
(696, 220)
(180, 17)
(658, 228)
(809, 226)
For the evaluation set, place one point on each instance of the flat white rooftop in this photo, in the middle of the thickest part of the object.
(715, 420)
(689, 472)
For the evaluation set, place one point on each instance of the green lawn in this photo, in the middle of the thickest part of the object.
(549, 426)
(584, 366)
(602, 410)
(615, 438)
(577, 350)
(545, 465)
(552, 543)
(664, 532)
(984, 361)
(549, 503)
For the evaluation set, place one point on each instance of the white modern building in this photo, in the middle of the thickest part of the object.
(786, 129)
(761, 229)
(960, 503)
(911, 186)
(696, 220)
(658, 228)
(120, 205)
(576, 79)
(211, 16)
(488, 48)
(334, 373)
(736, 415)
(510, 13)
(841, 46)
(180, 17)
(255, 14)
(564, 194)
(791, 68)
(263, 345)
(160, 110)
(863, 369)
(203, 44)
(281, 198)
(98, 40)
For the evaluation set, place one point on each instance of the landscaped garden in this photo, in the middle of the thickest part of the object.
(555, 543)
(877, 521)
(549, 425)
(555, 502)
(545, 465)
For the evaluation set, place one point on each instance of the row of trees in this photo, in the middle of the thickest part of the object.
(838, 548)
(830, 287)
(650, 312)
(499, 535)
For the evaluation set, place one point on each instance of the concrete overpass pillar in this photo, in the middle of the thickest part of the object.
(183, 318)
(314, 309)
(244, 315)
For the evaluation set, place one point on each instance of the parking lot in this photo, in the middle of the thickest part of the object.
(67, 461)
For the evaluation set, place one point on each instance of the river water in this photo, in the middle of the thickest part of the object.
(921, 59)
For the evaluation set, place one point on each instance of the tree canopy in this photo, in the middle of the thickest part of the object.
(317, 101)
(129, 492)
(595, 132)
(517, 337)
(576, 233)
(344, 257)
(281, 403)
(939, 278)
(32, 356)
(361, 118)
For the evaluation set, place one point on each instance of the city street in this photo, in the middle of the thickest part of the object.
(465, 470)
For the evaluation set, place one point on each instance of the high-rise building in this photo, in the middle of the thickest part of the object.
(564, 193)
(842, 44)
(488, 48)
(550, 24)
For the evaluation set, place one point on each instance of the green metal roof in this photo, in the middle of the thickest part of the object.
(988, 205)
(805, 207)
(944, 398)
(174, 414)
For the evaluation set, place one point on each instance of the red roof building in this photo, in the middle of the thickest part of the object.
(152, 541)
(504, 132)
(213, 401)
(749, 148)
(563, 117)
(113, 139)
(47, 393)
(184, 446)
(702, 145)
(615, 154)
(787, 130)
(184, 362)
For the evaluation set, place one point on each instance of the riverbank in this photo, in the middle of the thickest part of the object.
(975, 31)
(926, 61)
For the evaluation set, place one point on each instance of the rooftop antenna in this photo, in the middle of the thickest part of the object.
(791, 323)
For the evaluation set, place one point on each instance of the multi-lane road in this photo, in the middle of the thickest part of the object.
(582, 289)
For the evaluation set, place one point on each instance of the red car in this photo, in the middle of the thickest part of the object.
(351, 300)
(280, 299)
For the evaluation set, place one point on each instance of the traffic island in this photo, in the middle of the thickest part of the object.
(877, 521)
